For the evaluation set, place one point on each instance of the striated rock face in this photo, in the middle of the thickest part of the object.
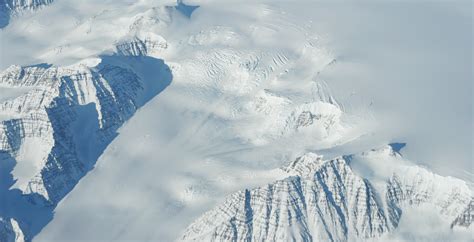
(329, 201)
(466, 217)
(21, 5)
(66, 119)
(14, 7)
(50, 113)
(148, 45)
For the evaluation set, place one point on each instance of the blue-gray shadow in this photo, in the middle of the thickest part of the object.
(32, 211)
(397, 147)
(4, 14)
(41, 65)
(186, 10)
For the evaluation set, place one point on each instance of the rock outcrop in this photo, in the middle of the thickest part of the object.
(329, 200)
(67, 117)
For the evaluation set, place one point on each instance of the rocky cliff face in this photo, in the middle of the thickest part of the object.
(68, 115)
(466, 217)
(50, 113)
(9, 8)
(147, 45)
(60, 120)
(329, 200)
(21, 5)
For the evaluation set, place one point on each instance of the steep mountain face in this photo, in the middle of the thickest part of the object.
(148, 45)
(241, 93)
(9, 8)
(330, 200)
(61, 125)
(20, 5)
(466, 217)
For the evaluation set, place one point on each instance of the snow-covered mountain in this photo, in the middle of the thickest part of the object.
(57, 128)
(21, 5)
(172, 120)
(348, 198)
(9, 8)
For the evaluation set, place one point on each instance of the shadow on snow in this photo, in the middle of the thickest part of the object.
(79, 140)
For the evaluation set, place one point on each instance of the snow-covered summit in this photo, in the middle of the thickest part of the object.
(56, 131)
(21, 5)
(331, 201)
(251, 91)
(9, 8)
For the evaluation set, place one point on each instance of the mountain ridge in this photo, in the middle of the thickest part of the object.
(72, 113)
(329, 200)
(10, 8)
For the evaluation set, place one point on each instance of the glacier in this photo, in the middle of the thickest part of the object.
(175, 120)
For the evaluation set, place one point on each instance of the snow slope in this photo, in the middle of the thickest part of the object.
(62, 125)
(329, 200)
(14, 8)
(253, 86)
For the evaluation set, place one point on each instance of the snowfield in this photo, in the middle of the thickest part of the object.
(234, 121)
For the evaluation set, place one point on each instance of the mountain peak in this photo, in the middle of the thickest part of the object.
(328, 200)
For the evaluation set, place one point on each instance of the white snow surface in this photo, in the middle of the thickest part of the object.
(332, 200)
(255, 85)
